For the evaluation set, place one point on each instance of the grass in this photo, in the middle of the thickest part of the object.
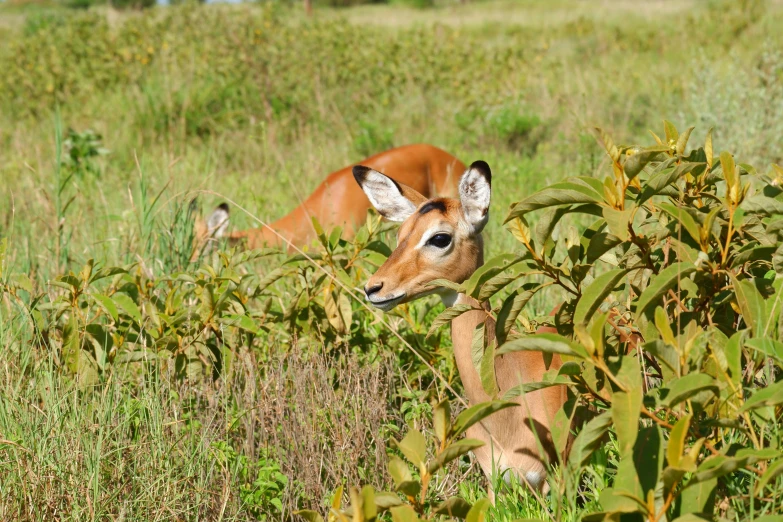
(258, 104)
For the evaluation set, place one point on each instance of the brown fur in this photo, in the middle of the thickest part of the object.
(338, 201)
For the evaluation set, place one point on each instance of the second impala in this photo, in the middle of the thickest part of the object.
(338, 201)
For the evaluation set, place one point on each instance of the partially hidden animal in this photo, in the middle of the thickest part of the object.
(338, 201)
(441, 238)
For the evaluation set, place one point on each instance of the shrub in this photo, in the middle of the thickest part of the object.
(670, 324)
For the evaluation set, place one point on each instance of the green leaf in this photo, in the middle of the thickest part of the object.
(338, 311)
(500, 281)
(273, 276)
(445, 283)
(448, 315)
(661, 283)
(671, 131)
(369, 509)
(772, 395)
(409, 488)
(107, 272)
(600, 244)
(594, 295)
(520, 230)
(677, 440)
(720, 465)
(478, 512)
(309, 515)
(733, 352)
(385, 500)
(489, 270)
(699, 498)
(617, 221)
(545, 342)
(665, 175)
(763, 205)
(399, 471)
(404, 514)
(767, 346)
(729, 169)
(773, 471)
(608, 143)
(648, 458)
(561, 429)
(477, 413)
(441, 420)
(574, 190)
(685, 219)
(477, 346)
(614, 502)
(242, 321)
(635, 163)
(706, 228)
(708, 151)
(626, 408)
(507, 316)
(126, 303)
(588, 440)
(527, 387)
(751, 304)
(414, 447)
(758, 253)
(546, 224)
(665, 329)
(682, 141)
(454, 507)
(451, 452)
(488, 379)
(107, 305)
(685, 387)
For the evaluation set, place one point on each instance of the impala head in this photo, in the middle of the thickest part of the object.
(438, 239)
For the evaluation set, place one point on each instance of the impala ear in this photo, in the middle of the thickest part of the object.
(392, 200)
(474, 194)
(217, 224)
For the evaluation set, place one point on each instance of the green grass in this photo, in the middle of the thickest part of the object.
(257, 104)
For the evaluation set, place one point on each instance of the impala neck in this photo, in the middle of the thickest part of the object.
(462, 337)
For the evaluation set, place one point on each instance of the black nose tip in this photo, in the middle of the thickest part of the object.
(373, 289)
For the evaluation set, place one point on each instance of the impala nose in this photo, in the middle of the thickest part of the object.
(368, 291)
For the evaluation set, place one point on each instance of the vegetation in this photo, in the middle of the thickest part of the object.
(251, 385)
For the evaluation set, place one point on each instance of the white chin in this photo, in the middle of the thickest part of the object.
(387, 304)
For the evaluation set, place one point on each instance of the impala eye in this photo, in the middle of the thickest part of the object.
(440, 240)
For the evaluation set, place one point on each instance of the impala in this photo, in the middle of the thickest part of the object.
(339, 202)
(441, 238)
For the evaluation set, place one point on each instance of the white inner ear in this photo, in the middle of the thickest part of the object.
(386, 197)
(217, 224)
(474, 194)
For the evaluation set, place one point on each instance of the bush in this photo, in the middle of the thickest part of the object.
(670, 324)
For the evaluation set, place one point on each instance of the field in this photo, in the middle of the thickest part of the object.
(136, 385)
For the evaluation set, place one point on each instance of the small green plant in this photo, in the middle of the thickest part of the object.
(81, 149)
(262, 482)
(263, 496)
